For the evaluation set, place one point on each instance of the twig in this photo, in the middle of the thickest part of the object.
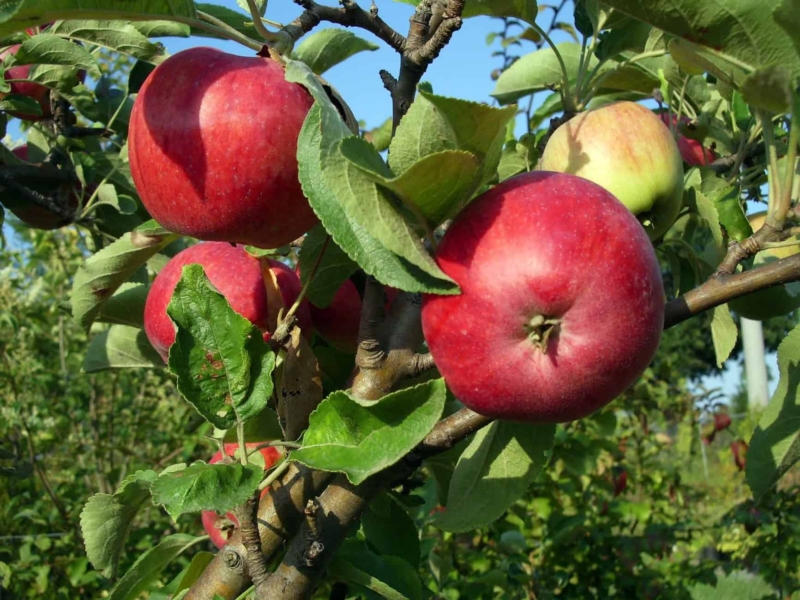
(246, 514)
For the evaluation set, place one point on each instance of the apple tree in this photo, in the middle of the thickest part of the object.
(459, 299)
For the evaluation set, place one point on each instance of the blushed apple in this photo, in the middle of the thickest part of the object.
(213, 145)
(247, 282)
(562, 302)
(693, 152)
(626, 149)
(338, 322)
(30, 89)
(220, 528)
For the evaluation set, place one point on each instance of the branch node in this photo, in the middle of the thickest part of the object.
(389, 81)
(233, 559)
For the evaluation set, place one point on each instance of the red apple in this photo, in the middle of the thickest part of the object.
(255, 288)
(624, 148)
(620, 478)
(220, 528)
(693, 152)
(213, 145)
(721, 421)
(33, 90)
(34, 215)
(338, 322)
(562, 303)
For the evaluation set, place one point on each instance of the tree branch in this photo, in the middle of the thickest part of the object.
(349, 14)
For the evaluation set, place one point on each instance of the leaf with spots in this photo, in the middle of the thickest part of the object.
(223, 365)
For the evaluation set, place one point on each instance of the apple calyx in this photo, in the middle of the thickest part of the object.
(539, 330)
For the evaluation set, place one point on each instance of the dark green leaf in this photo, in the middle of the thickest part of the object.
(331, 271)
(21, 104)
(223, 365)
(102, 273)
(326, 48)
(362, 440)
(769, 88)
(118, 36)
(49, 49)
(493, 473)
(120, 347)
(106, 520)
(387, 576)
(217, 487)
(126, 306)
(150, 564)
(775, 445)
(390, 530)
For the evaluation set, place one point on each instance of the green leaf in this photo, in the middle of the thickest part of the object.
(359, 217)
(522, 9)
(331, 271)
(19, 14)
(217, 487)
(769, 88)
(518, 157)
(381, 136)
(106, 520)
(120, 347)
(787, 16)
(738, 32)
(362, 440)
(49, 49)
(192, 573)
(160, 28)
(326, 48)
(775, 445)
(21, 104)
(435, 123)
(435, 188)
(231, 18)
(738, 585)
(150, 564)
(493, 473)
(118, 36)
(223, 365)
(390, 530)
(539, 70)
(723, 333)
(102, 273)
(729, 208)
(633, 36)
(387, 576)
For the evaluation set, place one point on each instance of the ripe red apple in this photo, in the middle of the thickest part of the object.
(33, 90)
(693, 152)
(620, 478)
(220, 528)
(338, 322)
(625, 148)
(213, 144)
(562, 303)
(247, 282)
(32, 214)
(721, 421)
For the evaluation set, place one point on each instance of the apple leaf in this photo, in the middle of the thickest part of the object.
(390, 530)
(435, 123)
(389, 577)
(723, 333)
(775, 445)
(49, 49)
(435, 188)
(787, 16)
(632, 36)
(698, 203)
(326, 48)
(769, 88)
(744, 32)
(381, 136)
(360, 217)
(120, 347)
(331, 270)
(223, 364)
(218, 487)
(118, 36)
(736, 585)
(19, 103)
(161, 28)
(191, 574)
(19, 14)
(150, 565)
(362, 440)
(103, 272)
(106, 520)
(493, 473)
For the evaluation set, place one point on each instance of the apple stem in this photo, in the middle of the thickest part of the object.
(539, 329)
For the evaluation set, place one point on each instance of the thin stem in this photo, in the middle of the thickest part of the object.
(791, 156)
(258, 23)
(569, 105)
(274, 475)
(217, 27)
(775, 215)
(274, 444)
(307, 284)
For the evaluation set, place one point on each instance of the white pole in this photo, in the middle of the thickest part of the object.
(755, 364)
